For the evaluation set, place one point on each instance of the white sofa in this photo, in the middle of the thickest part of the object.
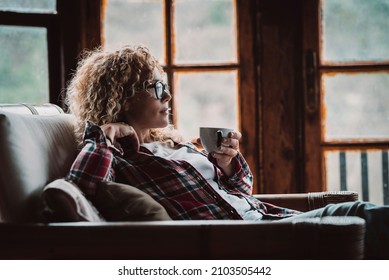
(43, 217)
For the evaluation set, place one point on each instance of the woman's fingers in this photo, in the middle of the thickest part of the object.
(227, 152)
(235, 135)
(120, 130)
(232, 141)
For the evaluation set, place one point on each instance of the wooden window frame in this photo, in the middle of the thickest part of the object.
(315, 144)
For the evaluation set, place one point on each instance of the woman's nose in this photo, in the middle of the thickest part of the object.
(166, 96)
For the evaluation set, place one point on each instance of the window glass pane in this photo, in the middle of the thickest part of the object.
(205, 31)
(355, 30)
(356, 106)
(133, 22)
(29, 6)
(23, 65)
(205, 99)
(365, 172)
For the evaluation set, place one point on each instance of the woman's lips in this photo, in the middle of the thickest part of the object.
(165, 111)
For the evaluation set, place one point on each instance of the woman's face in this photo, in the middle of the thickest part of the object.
(146, 111)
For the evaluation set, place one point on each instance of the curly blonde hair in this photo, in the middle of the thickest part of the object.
(104, 80)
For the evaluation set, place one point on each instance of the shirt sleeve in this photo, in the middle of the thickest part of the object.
(94, 162)
(242, 180)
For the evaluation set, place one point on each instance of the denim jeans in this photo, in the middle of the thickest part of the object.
(377, 224)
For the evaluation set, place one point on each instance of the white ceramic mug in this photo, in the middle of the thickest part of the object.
(211, 138)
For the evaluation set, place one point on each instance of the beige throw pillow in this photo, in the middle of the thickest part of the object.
(64, 202)
(121, 202)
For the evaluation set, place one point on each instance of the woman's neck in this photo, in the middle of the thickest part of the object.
(143, 135)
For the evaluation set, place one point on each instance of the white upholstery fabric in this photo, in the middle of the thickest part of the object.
(34, 150)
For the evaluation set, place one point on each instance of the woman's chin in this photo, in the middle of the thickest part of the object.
(163, 123)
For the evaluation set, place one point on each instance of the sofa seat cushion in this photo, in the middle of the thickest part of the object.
(35, 150)
(121, 202)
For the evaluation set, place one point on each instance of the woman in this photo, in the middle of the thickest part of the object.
(121, 102)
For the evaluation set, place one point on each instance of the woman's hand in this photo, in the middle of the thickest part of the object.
(113, 131)
(229, 149)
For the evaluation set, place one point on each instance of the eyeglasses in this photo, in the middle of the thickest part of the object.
(159, 88)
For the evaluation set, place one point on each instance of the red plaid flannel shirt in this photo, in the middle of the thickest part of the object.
(175, 184)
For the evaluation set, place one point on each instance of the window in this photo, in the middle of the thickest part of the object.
(24, 74)
(29, 52)
(208, 54)
(353, 73)
(29, 6)
(198, 50)
(207, 49)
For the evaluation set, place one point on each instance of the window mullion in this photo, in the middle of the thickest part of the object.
(169, 51)
(169, 33)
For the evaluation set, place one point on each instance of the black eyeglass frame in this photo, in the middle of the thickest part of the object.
(159, 88)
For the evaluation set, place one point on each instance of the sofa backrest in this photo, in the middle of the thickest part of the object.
(37, 145)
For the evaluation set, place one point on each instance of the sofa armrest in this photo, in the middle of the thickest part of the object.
(308, 201)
